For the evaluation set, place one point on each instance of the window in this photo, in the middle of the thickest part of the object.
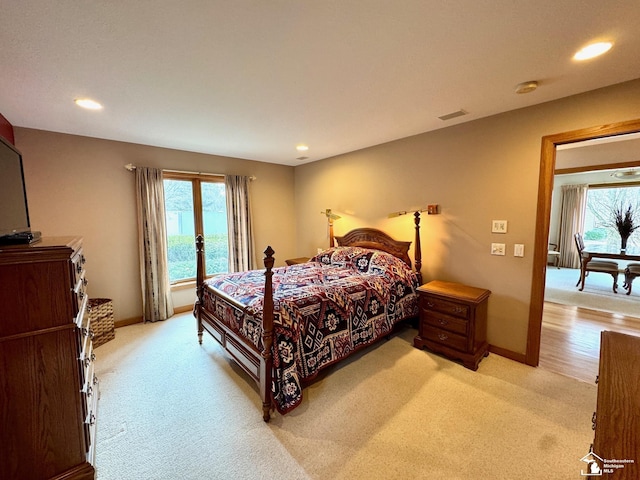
(599, 227)
(195, 204)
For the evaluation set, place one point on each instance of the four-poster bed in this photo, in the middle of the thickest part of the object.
(283, 325)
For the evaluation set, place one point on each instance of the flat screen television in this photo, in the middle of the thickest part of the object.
(14, 212)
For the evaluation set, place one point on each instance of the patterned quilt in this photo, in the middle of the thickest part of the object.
(341, 300)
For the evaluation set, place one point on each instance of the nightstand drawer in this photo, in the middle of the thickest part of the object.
(443, 337)
(446, 322)
(452, 308)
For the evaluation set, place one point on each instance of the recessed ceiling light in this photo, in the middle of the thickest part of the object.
(593, 50)
(302, 148)
(626, 174)
(88, 103)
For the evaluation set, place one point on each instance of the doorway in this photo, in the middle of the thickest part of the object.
(545, 189)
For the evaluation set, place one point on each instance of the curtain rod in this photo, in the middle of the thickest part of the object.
(131, 167)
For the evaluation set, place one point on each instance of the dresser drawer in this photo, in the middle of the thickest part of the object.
(444, 321)
(443, 337)
(444, 306)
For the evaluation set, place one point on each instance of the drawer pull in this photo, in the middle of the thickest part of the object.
(81, 295)
(443, 321)
(87, 332)
(95, 380)
(443, 336)
(458, 310)
(430, 304)
(78, 267)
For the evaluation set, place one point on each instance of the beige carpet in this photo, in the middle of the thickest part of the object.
(172, 409)
(597, 294)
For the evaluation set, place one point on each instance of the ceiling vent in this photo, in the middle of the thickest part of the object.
(302, 158)
(451, 115)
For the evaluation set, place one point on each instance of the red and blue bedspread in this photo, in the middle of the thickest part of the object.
(341, 300)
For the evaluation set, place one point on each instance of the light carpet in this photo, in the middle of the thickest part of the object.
(173, 409)
(597, 294)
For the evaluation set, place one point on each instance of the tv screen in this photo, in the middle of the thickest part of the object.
(14, 214)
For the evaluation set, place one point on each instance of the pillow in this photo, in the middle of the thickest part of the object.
(365, 260)
(339, 256)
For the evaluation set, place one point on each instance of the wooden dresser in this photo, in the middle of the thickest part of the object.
(453, 321)
(48, 391)
(617, 419)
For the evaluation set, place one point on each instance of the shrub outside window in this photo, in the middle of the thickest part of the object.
(599, 228)
(195, 203)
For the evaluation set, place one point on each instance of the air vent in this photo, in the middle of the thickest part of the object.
(451, 115)
(302, 158)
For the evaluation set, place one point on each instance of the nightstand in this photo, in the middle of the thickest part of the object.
(453, 321)
(296, 261)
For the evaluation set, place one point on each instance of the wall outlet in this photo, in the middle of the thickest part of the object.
(518, 250)
(498, 249)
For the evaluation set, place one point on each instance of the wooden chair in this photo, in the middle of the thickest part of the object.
(601, 266)
(632, 271)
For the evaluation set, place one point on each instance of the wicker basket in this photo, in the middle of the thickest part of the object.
(101, 316)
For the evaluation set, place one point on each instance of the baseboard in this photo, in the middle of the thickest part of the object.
(127, 321)
(184, 308)
(133, 320)
(503, 352)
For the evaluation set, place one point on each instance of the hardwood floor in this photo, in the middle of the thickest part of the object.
(570, 338)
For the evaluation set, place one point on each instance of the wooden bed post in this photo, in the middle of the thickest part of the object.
(199, 283)
(418, 248)
(267, 336)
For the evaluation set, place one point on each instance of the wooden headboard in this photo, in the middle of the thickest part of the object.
(377, 239)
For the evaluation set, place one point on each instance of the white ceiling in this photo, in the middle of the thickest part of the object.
(617, 153)
(254, 78)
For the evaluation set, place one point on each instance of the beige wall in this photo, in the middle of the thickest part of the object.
(79, 186)
(478, 171)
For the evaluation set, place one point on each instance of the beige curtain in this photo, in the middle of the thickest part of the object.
(152, 241)
(574, 205)
(241, 249)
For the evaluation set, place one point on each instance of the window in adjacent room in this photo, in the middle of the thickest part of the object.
(599, 229)
(195, 203)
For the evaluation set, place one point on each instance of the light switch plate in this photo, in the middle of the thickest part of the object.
(498, 249)
(499, 226)
(518, 250)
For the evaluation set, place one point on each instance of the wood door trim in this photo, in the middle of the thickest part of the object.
(543, 213)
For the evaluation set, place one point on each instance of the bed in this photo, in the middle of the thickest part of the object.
(284, 325)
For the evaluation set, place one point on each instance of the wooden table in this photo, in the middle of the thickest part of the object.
(296, 261)
(588, 255)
